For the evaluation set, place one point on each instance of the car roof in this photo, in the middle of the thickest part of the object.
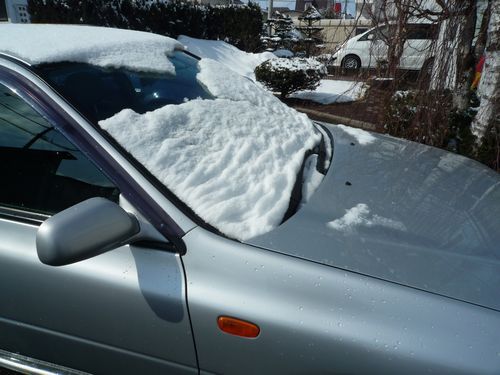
(39, 43)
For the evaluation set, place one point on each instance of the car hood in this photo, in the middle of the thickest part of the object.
(402, 212)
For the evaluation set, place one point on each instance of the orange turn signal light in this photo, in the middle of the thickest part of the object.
(237, 327)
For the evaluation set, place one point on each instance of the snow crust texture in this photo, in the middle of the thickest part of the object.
(359, 215)
(106, 47)
(362, 136)
(234, 160)
(333, 91)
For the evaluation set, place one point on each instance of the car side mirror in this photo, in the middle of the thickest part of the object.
(84, 230)
(370, 37)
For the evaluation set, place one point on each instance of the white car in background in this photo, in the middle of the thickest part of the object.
(369, 49)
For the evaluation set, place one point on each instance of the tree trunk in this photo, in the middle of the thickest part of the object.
(488, 91)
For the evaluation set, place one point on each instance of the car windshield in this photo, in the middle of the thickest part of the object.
(99, 93)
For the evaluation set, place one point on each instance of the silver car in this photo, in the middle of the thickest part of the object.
(388, 261)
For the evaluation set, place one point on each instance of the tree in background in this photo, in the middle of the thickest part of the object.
(486, 123)
(280, 33)
(312, 32)
(443, 106)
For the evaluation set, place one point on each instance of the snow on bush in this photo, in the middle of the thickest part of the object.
(289, 75)
(234, 160)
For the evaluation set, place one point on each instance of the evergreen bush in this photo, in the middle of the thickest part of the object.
(290, 75)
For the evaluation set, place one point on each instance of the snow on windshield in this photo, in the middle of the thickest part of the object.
(233, 160)
(105, 47)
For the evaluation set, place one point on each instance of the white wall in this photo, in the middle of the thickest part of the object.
(17, 11)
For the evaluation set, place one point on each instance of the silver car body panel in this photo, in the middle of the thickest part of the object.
(119, 312)
(433, 220)
(317, 319)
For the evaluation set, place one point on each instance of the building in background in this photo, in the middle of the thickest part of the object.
(15, 11)
(364, 9)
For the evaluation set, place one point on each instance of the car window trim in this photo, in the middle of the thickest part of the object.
(68, 126)
(28, 217)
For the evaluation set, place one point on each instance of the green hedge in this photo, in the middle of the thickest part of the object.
(238, 25)
(287, 76)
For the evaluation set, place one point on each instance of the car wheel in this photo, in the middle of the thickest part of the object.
(351, 62)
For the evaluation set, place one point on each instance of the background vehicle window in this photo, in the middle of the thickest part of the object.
(380, 33)
(99, 93)
(421, 31)
(3, 11)
(41, 171)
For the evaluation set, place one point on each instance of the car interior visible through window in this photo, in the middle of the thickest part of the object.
(41, 170)
(99, 93)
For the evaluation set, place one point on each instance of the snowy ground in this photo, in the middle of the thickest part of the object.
(329, 91)
(333, 91)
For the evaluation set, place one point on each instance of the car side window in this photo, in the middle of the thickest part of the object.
(41, 171)
(421, 31)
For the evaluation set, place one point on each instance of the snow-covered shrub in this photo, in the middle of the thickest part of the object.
(289, 75)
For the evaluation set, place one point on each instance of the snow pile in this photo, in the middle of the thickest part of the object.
(333, 91)
(311, 178)
(239, 61)
(234, 160)
(362, 136)
(106, 47)
(359, 215)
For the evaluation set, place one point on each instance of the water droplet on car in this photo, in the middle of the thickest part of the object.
(301, 308)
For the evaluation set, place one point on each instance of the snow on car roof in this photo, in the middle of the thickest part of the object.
(106, 47)
(234, 160)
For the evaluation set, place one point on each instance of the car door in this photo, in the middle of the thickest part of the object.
(417, 46)
(379, 48)
(120, 312)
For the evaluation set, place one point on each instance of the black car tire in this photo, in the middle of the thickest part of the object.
(351, 63)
